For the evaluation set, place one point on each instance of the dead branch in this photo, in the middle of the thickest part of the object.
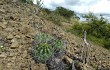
(85, 43)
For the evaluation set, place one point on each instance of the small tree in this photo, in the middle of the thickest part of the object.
(64, 12)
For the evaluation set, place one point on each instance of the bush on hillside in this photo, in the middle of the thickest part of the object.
(27, 1)
(47, 11)
(97, 29)
(107, 44)
(64, 12)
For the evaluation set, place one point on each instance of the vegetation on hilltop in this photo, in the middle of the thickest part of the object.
(98, 29)
(59, 15)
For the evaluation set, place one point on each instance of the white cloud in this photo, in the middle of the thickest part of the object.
(81, 6)
(101, 7)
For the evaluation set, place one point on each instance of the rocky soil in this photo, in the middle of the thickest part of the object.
(19, 23)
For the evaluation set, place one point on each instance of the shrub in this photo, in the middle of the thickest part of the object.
(98, 31)
(107, 44)
(64, 12)
(44, 46)
(46, 11)
(27, 1)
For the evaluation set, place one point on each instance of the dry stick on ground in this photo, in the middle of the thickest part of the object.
(86, 50)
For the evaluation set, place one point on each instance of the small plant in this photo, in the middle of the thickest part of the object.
(44, 46)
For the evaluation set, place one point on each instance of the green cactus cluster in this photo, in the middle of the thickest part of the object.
(44, 47)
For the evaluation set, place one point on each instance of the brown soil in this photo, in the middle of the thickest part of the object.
(19, 23)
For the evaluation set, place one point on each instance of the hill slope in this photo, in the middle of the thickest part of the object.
(19, 23)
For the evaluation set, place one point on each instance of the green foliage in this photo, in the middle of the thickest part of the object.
(97, 29)
(23, 1)
(27, 1)
(107, 44)
(64, 12)
(90, 17)
(46, 11)
(44, 47)
(59, 15)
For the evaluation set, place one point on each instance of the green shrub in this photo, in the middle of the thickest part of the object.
(46, 11)
(98, 31)
(27, 1)
(64, 12)
(44, 46)
(59, 15)
(107, 44)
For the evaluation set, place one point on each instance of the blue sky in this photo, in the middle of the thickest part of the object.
(80, 6)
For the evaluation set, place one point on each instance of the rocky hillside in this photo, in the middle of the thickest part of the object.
(19, 23)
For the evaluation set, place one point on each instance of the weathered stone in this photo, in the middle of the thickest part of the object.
(69, 60)
(9, 36)
(17, 36)
(11, 54)
(2, 10)
(3, 55)
(14, 44)
(8, 65)
(3, 25)
(25, 53)
(9, 29)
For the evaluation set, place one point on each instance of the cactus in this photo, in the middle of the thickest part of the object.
(44, 47)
